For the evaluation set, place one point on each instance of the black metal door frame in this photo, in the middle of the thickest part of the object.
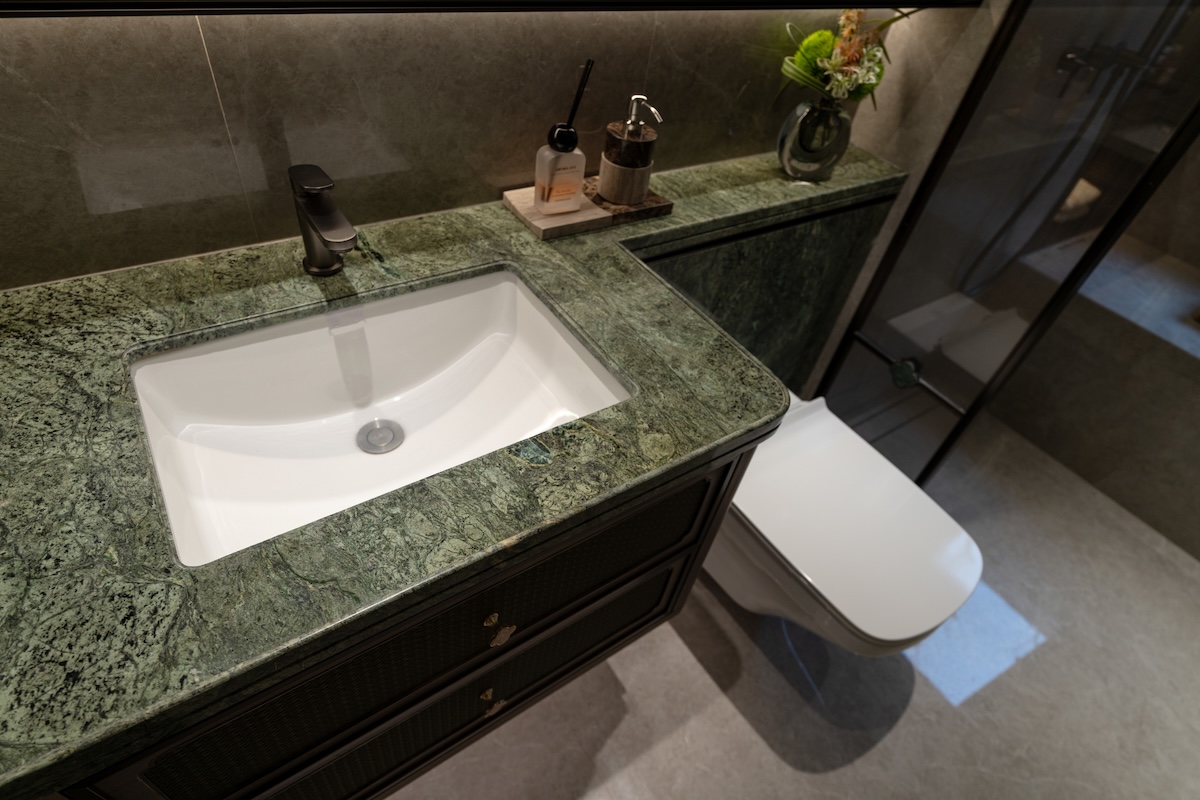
(1177, 146)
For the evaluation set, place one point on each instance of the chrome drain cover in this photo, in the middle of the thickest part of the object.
(379, 436)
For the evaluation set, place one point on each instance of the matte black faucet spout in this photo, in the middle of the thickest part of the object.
(326, 231)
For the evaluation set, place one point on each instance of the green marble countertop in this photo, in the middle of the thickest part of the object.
(107, 642)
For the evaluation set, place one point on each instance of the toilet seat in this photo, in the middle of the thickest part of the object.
(836, 520)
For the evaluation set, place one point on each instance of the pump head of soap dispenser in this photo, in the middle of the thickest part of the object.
(635, 125)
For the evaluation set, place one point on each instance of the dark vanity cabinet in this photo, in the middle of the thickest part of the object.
(376, 714)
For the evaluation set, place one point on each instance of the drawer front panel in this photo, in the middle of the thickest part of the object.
(218, 763)
(376, 762)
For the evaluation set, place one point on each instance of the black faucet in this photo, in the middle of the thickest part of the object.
(326, 231)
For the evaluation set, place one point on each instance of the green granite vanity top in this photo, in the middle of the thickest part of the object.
(104, 634)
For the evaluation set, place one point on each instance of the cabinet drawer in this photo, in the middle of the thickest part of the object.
(267, 738)
(395, 749)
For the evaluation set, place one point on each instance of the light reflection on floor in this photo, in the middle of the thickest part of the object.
(975, 646)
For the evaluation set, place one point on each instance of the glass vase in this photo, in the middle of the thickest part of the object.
(813, 139)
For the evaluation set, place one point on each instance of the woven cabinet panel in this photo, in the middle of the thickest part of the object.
(355, 772)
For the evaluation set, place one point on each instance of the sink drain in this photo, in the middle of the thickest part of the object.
(380, 436)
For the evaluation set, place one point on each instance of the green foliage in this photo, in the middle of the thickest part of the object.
(815, 45)
(843, 65)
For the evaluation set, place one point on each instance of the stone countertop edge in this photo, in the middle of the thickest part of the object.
(108, 643)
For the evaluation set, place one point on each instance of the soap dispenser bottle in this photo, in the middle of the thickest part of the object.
(628, 155)
(558, 170)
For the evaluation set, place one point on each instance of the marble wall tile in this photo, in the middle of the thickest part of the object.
(411, 113)
(716, 79)
(113, 149)
(116, 140)
(1168, 220)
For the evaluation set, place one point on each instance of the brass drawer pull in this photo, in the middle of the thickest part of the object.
(503, 634)
(494, 707)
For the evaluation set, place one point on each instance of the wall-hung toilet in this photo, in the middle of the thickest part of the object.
(826, 532)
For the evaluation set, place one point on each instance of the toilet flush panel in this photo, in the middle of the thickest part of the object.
(866, 537)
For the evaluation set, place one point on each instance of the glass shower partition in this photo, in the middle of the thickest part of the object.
(1084, 98)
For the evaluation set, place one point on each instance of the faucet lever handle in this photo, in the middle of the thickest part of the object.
(309, 179)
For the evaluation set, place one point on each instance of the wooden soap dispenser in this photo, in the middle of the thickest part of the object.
(628, 155)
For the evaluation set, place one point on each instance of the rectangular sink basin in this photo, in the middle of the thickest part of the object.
(262, 432)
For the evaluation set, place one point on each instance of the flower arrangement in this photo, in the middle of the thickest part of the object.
(845, 66)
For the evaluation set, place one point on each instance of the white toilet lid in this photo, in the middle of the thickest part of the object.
(888, 558)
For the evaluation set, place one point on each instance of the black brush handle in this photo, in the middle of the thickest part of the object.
(587, 70)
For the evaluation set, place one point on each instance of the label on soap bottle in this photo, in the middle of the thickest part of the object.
(558, 181)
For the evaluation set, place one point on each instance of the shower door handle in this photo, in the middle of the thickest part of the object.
(1072, 63)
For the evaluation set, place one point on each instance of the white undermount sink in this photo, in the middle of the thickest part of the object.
(259, 433)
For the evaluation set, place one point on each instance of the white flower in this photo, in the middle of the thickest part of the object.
(833, 63)
(845, 78)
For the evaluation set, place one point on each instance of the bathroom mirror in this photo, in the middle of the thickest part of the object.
(62, 8)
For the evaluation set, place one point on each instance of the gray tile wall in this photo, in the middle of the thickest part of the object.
(1169, 220)
(1117, 405)
(128, 140)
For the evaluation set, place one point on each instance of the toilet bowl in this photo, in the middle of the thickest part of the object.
(826, 532)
